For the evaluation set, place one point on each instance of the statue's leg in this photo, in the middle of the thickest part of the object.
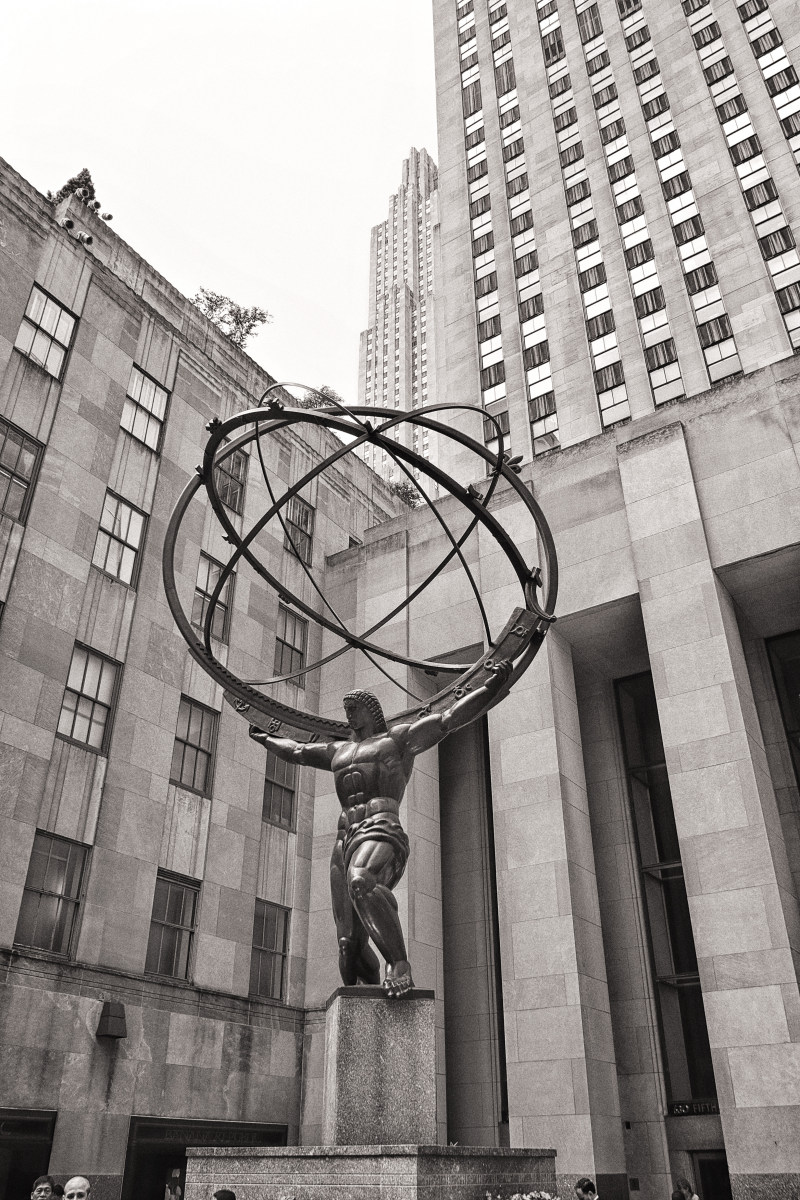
(369, 872)
(357, 959)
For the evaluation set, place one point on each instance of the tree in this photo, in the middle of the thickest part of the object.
(406, 491)
(82, 180)
(234, 320)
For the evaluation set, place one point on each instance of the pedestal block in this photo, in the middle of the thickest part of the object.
(380, 1069)
(369, 1172)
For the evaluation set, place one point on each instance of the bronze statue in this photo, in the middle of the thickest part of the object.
(371, 770)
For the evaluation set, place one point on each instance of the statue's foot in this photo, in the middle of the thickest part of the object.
(398, 978)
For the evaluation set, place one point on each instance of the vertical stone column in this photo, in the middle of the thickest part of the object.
(741, 897)
(562, 1079)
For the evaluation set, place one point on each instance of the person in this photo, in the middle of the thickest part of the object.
(371, 770)
(58, 1191)
(685, 1189)
(224, 1194)
(43, 1188)
(77, 1188)
(677, 1194)
(585, 1189)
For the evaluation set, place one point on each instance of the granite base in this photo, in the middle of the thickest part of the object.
(368, 1172)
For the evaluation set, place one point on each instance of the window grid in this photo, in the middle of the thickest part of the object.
(299, 533)
(270, 951)
(144, 409)
(777, 71)
(172, 926)
(51, 899)
(89, 699)
(290, 644)
(280, 787)
(208, 573)
(45, 333)
(119, 539)
(193, 751)
(752, 172)
(20, 458)
(230, 477)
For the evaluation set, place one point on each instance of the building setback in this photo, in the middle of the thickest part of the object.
(397, 355)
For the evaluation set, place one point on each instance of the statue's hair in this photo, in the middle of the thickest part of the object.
(373, 706)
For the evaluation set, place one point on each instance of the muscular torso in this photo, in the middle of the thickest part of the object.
(366, 770)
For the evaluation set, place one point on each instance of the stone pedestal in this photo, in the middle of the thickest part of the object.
(380, 1069)
(369, 1172)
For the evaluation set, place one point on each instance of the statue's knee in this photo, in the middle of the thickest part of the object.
(360, 882)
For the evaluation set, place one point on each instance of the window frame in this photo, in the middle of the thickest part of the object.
(225, 601)
(297, 540)
(258, 952)
(111, 707)
(13, 475)
(288, 782)
(283, 613)
(113, 537)
(137, 404)
(211, 750)
(189, 885)
(222, 471)
(75, 901)
(65, 346)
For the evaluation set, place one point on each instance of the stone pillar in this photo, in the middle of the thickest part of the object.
(741, 897)
(562, 1081)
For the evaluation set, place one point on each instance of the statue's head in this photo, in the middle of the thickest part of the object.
(371, 704)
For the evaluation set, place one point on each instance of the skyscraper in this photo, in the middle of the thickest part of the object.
(397, 359)
(623, 177)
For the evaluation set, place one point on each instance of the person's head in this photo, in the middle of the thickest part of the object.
(585, 1188)
(684, 1188)
(43, 1188)
(224, 1194)
(77, 1188)
(677, 1194)
(58, 1191)
(361, 708)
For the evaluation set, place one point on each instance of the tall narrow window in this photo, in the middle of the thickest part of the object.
(280, 783)
(20, 457)
(230, 478)
(299, 529)
(290, 644)
(193, 751)
(144, 409)
(119, 539)
(208, 573)
(49, 912)
(687, 1056)
(45, 334)
(89, 699)
(270, 951)
(172, 926)
(784, 655)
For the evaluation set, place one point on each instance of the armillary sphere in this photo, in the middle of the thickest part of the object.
(523, 632)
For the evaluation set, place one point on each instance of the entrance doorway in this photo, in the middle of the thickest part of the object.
(155, 1166)
(26, 1137)
(711, 1175)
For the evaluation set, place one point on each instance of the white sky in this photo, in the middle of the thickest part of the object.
(246, 146)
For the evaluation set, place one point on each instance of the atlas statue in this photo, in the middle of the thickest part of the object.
(371, 769)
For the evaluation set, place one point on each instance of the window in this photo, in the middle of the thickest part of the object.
(88, 699)
(299, 529)
(193, 752)
(144, 409)
(270, 950)
(686, 1054)
(230, 477)
(208, 573)
(172, 926)
(20, 457)
(46, 333)
(52, 894)
(290, 644)
(280, 785)
(119, 539)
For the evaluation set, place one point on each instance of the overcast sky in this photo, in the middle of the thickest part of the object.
(246, 146)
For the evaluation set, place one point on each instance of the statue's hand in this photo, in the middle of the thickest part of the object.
(500, 672)
(254, 730)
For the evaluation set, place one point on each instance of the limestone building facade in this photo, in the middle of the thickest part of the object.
(397, 351)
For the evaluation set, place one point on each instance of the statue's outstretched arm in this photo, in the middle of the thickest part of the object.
(311, 754)
(427, 731)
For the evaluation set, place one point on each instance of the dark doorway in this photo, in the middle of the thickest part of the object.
(26, 1138)
(711, 1174)
(156, 1161)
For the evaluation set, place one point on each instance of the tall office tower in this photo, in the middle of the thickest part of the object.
(397, 359)
(622, 174)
